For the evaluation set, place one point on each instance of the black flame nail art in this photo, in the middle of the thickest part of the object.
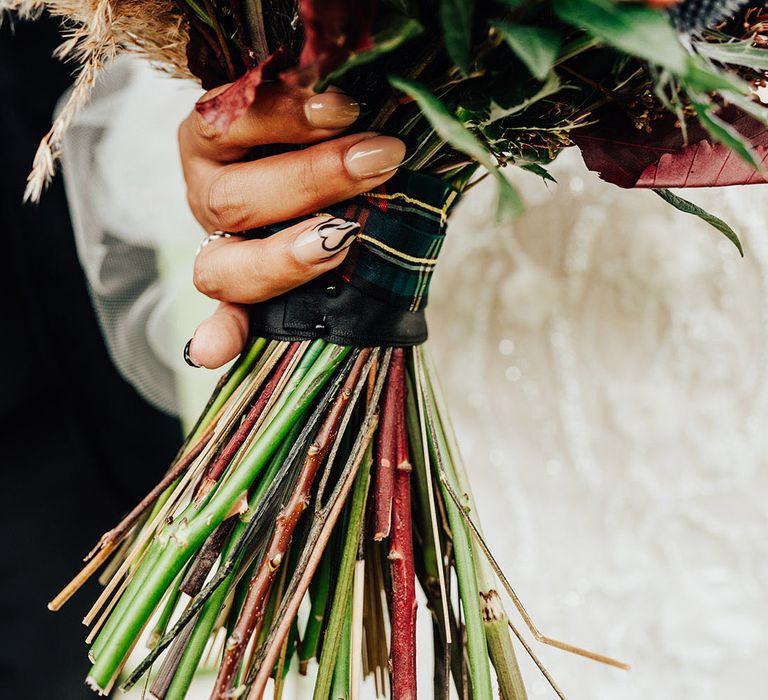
(336, 234)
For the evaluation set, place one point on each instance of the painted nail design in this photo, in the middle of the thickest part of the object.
(187, 358)
(325, 240)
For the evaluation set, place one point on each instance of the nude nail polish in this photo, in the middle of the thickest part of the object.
(331, 110)
(374, 156)
(324, 240)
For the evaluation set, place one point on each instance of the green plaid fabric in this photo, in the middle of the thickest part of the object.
(402, 231)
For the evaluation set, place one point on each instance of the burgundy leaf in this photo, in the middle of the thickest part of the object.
(333, 29)
(630, 157)
(227, 106)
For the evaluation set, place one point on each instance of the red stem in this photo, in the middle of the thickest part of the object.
(386, 446)
(401, 556)
(236, 441)
(258, 588)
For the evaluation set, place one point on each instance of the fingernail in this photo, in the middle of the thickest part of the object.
(374, 156)
(324, 240)
(187, 357)
(331, 110)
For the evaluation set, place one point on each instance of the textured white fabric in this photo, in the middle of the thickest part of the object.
(605, 363)
(126, 197)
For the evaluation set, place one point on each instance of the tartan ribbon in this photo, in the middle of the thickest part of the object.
(402, 226)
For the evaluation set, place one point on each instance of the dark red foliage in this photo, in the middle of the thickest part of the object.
(630, 157)
(227, 106)
(333, 29)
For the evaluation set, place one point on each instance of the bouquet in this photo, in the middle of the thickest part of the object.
(324, 471)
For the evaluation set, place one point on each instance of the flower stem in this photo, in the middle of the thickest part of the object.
(253, 607)
(385, 451)
(236, 441)
(340, 685)
(401, 551)
(342, 594)
(319, 592)
(469, 592)
(494, 616)
(186, 534)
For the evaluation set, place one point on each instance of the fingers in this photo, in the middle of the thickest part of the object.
(249, 271)
(247, 195)
(240, 272)
(219, 338)
(280, 115)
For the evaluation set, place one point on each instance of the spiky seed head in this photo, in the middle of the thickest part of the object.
(691, 16)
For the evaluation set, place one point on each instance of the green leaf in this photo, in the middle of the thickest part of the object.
(395, 32)
(508, 203)
(735, 53)
(451, 130)
(537, 48)
(456, 20)
(687, 207)
(701, 77)
(725, 134)
(758, 110)
(539, 170)
(634, 29)
(447, 126)
(550, 87)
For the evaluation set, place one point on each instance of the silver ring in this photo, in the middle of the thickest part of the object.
(212, 237)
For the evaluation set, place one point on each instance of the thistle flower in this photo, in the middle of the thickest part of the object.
(691, 16)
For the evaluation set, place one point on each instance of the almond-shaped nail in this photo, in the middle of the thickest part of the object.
(324, 240)
(187, 357)
(331, 110)
(374, 156)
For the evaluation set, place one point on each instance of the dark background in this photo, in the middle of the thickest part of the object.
(78, 446)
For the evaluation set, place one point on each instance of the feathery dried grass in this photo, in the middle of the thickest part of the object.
(95, 31)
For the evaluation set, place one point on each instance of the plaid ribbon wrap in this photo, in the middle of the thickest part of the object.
(402, 231)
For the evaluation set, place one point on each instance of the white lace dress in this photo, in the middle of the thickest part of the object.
(606, 362)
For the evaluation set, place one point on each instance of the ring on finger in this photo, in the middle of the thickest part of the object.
(214, 236)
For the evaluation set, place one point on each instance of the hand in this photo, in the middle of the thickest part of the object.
(228, 193)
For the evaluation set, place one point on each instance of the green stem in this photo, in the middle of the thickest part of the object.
(189, 531)
(209, 613)
(428, 552)
(340, 686)
(125, 602)
(165, 616)
(469, 592)
(206, 620)
(319, 593)
(221, 394)
(244, 365)
(495, 617)
(343, 593)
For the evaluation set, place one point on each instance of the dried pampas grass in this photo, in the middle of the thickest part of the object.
(95, 31)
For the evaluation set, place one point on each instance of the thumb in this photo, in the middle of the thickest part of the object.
(219, 338)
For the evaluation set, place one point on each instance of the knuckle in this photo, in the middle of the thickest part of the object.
(204, 130)
(205, 280)
(226, 206)
(311, 178)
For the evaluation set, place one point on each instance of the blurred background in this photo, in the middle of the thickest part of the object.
(605, 359)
